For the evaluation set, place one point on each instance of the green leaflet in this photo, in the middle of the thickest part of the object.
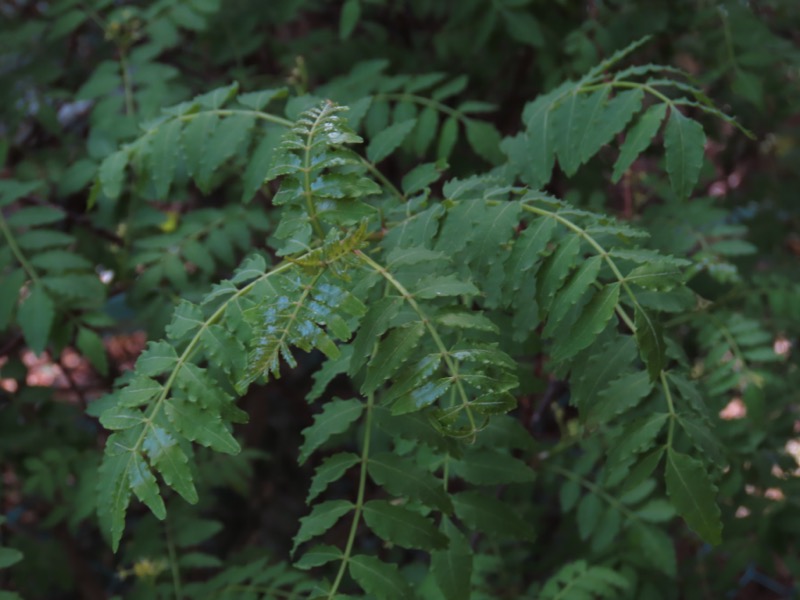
(35, 316)
(484, 139)
(579, 580)
(382, 580)
(9, 295)
(170, 460)
(569, 295)
(638, 139)
(491, 467)
(590, 323)
(402, 526)
(202, 426)
(336, 417)
(388, 140)
(113, 494)
(656, 547)
(693, 495)
(620, 395)
(331, 469)
(322, 518)
(491, 516)
(555, 270)
(588, 515)
(392, 352)
(163, 154)
(402, 478)
(112, 173)
(650, 339)
(684, 143)
(318, 556)
(452, 568)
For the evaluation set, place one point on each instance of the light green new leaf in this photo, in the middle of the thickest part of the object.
(388, 140)
(650, 339)
(638, 139)
(381, 580)
(35, 316)
(402, 526)
(401, 477)
(336, 417)
(490, 515)
(684, 142)
(693, 495)
(592, 321)
(323, 517)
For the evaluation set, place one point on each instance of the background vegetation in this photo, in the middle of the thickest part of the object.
(637, 337)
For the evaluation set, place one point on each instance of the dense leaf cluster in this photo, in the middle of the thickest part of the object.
(518, 322)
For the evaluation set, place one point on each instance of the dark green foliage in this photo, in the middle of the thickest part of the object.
(521, 266)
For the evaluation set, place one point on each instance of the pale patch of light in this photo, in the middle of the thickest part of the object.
(777, 472)
(742, 512)
(717, 189)
(750, 489)
(782, 346)
(734, 179)
(774, 494)
(105, 275)
(70, 359)
(9, 385)
(735, 409)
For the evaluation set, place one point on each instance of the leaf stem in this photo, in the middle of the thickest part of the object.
(595, 489)
(443, 108)
(127, 85)
(362, 485)
(309, 195)
(173, 561)
(16, 251)
(671, 406)
(382, 178)
(437, 340)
